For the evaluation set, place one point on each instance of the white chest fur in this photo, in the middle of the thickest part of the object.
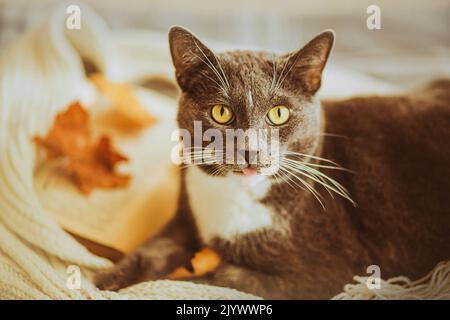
(229, 206)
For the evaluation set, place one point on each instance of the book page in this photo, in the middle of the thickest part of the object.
(121, 218)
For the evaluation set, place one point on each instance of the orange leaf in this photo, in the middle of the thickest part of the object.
(129, 111)
(88, 163)
(203, 262)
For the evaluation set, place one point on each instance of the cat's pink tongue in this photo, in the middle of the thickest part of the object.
(248, 172)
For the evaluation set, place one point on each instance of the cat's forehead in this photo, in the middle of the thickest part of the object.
(249, 73)
(247, 63)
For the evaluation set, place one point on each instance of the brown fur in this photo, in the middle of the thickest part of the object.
(398, 149)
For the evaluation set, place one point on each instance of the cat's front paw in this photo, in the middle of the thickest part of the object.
(123, 274)
(151, 262)
(112, 280)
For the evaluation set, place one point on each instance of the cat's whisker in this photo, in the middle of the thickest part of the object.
(215, 171)
(201, 156)
(223, 72)
(304, 166)
(319, 177)
(285, 178)
(220, 85)
(199, 148)
(287, 73)
(274, 77)
(303, 181)
(323, 181)
(325, 166)
(309, 169)
(308, 172)
(219, 170)
(306, 185)
(325, 134)
(317, 165)
(208, 162)
(317, 173)
(200, 159)
(212, 67)
(281, 74)
(275, 175)
(202, 152)
(311, 189)
(306, 156)
(202, 162)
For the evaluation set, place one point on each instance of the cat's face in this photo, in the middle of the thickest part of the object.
(269, 98)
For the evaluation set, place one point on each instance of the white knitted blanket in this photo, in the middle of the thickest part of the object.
(37, 257)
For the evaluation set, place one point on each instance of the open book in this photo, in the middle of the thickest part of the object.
(120, 219)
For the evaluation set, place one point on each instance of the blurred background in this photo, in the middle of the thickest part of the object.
(412, 46)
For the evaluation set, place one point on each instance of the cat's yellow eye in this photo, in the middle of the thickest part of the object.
(278, 115)
(221, 114)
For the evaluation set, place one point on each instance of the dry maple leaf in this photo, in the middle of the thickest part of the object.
(87, 162)
(203, 262)
(130, 112)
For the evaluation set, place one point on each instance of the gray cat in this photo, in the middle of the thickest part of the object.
(282, 235)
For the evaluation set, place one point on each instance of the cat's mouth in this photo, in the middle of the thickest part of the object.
(248, 172)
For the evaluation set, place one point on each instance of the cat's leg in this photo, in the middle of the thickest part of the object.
(173, 247)
(266, 285)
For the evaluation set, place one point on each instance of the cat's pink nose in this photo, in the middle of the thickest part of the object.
(248, 172)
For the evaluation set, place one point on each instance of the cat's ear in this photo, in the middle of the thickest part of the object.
(308, 63)
(188, 53)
